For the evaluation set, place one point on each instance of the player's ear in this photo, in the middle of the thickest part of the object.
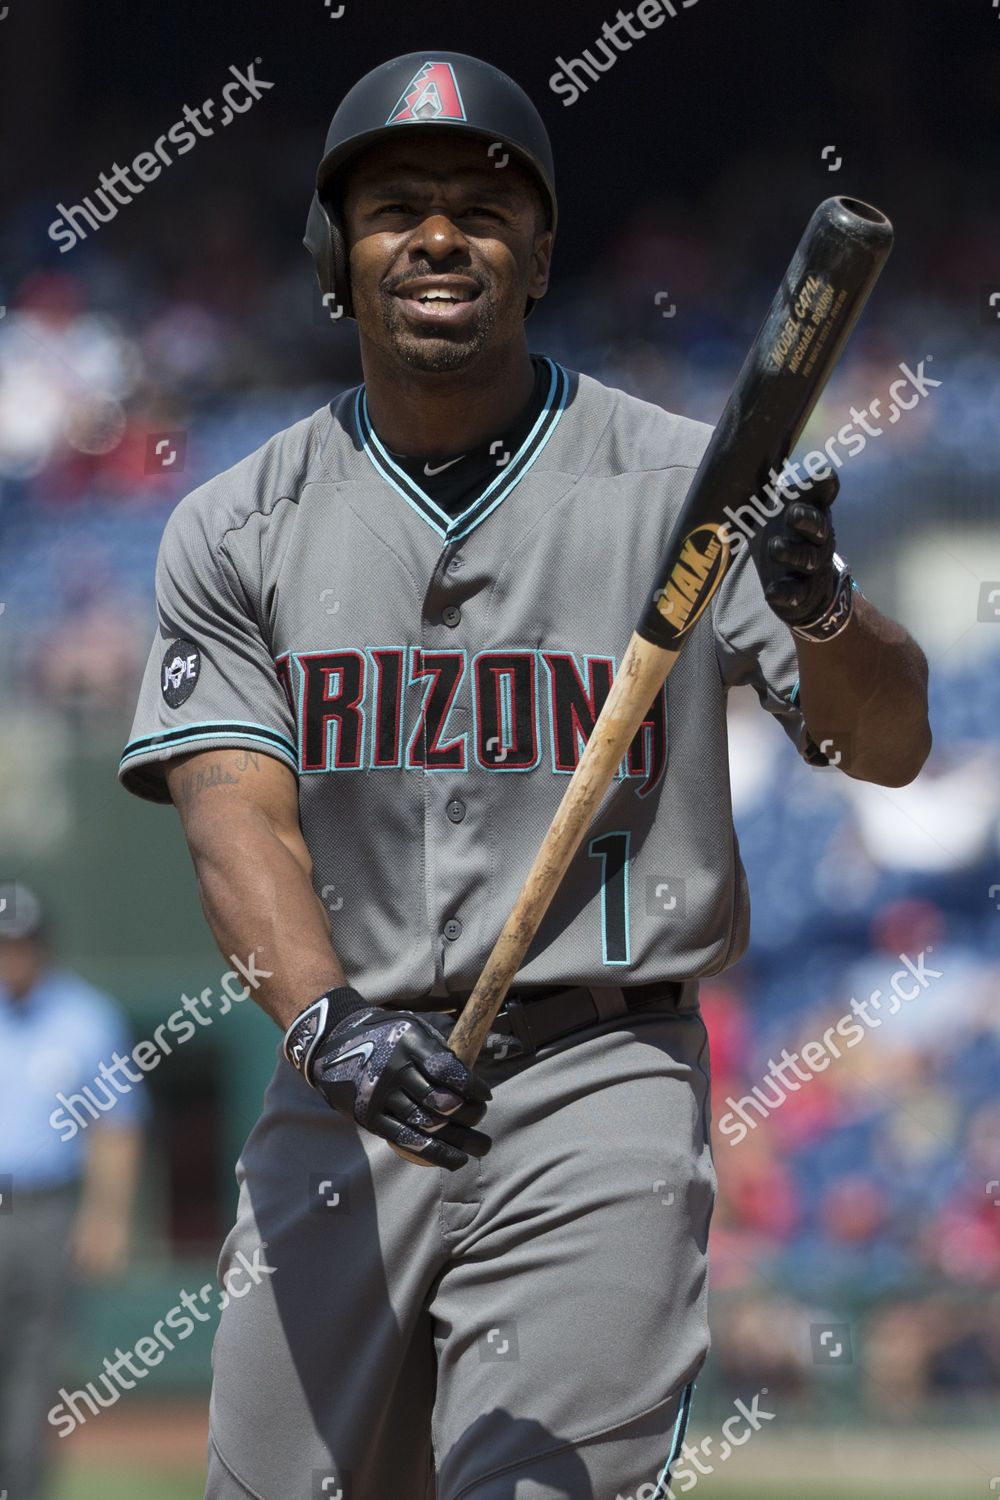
(541, 262)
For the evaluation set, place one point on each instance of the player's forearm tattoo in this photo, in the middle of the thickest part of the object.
(192, 783)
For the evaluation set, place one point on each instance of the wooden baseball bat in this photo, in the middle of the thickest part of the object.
(828, 282)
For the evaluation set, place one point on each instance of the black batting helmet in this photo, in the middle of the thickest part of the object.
(421, 91)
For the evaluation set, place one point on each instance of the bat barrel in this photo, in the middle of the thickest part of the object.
(820, 298)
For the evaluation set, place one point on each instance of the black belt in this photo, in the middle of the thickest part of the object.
(534, 1018)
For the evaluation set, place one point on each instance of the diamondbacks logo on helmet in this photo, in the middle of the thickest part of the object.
(433, 94)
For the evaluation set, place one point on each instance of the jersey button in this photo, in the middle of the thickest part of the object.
(451, 614)
(454, 563)
(453, 929)
(456, 810)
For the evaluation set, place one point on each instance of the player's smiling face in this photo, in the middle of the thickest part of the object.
(444, 247)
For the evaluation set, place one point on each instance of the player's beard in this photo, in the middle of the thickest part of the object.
(436, 351)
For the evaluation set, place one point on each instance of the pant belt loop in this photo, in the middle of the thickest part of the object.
(609, 1001)
(516, 1013)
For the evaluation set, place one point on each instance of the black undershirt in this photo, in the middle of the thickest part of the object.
(462, 477)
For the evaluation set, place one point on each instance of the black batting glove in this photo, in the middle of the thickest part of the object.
(392, 1072)
(795, 556)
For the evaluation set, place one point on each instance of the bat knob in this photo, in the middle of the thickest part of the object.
(419, 1161)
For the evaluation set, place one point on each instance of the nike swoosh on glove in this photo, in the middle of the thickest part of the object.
(392, 1072)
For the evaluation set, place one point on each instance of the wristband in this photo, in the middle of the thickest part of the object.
(305, 1031)
(837, 617)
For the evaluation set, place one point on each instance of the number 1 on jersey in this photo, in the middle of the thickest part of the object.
(613, 851)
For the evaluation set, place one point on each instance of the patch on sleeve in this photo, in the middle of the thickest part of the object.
(179, 672)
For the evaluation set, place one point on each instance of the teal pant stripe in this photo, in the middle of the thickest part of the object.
(676, 1441)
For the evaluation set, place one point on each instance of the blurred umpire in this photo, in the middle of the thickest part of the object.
(66, 1194)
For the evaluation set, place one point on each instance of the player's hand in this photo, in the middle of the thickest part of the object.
(391, 1072)
(794, 554)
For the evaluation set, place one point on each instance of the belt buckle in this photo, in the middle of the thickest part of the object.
(517, 1014)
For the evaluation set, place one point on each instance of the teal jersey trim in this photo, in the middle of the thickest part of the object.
(211, 729)
(450, 528)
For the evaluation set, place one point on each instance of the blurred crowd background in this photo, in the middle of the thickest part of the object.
(183, 334)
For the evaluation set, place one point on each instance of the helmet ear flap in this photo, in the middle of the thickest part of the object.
(324, 240)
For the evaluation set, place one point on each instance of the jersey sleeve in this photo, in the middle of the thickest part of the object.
(210, 681)
(757, 649)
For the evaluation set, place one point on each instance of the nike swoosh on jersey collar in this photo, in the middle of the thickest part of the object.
(454, 528)
(441, 467)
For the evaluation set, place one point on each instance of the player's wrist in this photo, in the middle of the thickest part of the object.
(837, 615)
(317, 1021)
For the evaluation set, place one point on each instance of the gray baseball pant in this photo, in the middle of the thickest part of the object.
(527, 1328)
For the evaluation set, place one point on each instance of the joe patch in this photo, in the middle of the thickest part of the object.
(179, 672)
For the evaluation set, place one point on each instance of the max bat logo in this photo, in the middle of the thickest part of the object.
(694, 578)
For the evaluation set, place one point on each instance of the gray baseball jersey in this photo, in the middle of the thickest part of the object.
(431, 681)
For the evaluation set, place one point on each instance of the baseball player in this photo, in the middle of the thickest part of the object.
(383, 640)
